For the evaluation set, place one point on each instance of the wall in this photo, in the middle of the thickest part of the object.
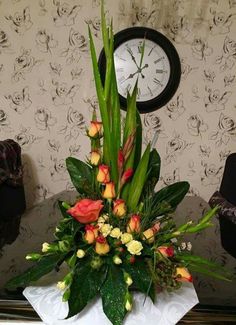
(47, 92)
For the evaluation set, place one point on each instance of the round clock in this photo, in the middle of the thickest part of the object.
(158, 72)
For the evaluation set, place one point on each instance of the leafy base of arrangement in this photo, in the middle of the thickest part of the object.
(119, 236)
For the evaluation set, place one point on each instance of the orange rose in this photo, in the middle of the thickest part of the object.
(134, 224)
(101, 246)
(103, 175)
(86, 210)
(95, 129)
(149, 234)
(119, 208)
(166, 251)
(91, 233)
(109, 192)
(95, 157)
(183, 275)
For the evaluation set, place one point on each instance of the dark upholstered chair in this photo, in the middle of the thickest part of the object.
(226, 199)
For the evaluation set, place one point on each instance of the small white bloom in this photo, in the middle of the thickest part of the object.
(115, 233)
(45, 247)
(61, 285)
(102, 219)
(183, 246)
(106, 229)
(126, 238)
(117, 260)
(189, 246)
(80, 253)
(134, 247)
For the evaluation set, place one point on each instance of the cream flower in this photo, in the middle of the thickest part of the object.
(106, 229)
(134, 247)
(102, 219)
(126, 238)
(115, 233)
(61, 285)
(117, 260)
(45, 247)
(80, 253)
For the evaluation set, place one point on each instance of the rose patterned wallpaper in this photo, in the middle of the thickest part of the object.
(47, 92)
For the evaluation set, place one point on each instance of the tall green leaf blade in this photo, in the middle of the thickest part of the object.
(171, 195)
(113, 293)
(80, 174)
(130, 120)
(102, 103)
(42, 267)
(142, 278)
(153, 171)
(138, 181)
(138, 143)
(85, 286)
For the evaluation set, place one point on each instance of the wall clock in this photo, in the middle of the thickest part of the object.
(158, 75)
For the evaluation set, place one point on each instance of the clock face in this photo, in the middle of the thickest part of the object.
(153, 73)
(146, 55)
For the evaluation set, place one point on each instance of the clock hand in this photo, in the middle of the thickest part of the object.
(132, 57)
(130, 76)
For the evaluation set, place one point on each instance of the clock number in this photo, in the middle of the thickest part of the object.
(156, 81)
(158, 60)
(151, 93)
(161, 71)
(139, 93)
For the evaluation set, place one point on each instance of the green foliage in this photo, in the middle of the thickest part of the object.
(153, 171)
(142, 278)
(138, 181)
(45, 265)
(80, 174)
(167, 199)
(113, 294)
(85, 286)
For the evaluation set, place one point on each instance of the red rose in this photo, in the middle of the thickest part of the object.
(86, 210)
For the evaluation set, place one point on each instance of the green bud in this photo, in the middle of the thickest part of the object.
(66, 295)
(96, 263)
(33, 257)
(64, 246)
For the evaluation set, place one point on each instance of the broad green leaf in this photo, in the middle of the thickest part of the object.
(142, 278)
(153, 171)
(138, 181)
(80, 174)
(45, 265)
(113, 293)
(85, 286)
(171, 195)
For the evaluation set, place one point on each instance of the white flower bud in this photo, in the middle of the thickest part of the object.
(45, 247)
(117, 260)
(61, 285)
(80, 253)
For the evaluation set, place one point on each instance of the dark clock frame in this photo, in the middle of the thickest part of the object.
(174, 60)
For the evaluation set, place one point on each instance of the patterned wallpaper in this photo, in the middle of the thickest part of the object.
(47, 92)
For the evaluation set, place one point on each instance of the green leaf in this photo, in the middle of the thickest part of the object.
(102, 103)
(142, 278)
(202, 265)
(138, 144)
(80, 174)
(85, 286)
(45, 265)
(138, 181)
(153, 171)
(113, 293)
(171, 195)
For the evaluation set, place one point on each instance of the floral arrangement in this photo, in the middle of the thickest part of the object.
(119, 236)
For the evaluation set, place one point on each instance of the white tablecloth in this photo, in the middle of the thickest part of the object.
(168, 309)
